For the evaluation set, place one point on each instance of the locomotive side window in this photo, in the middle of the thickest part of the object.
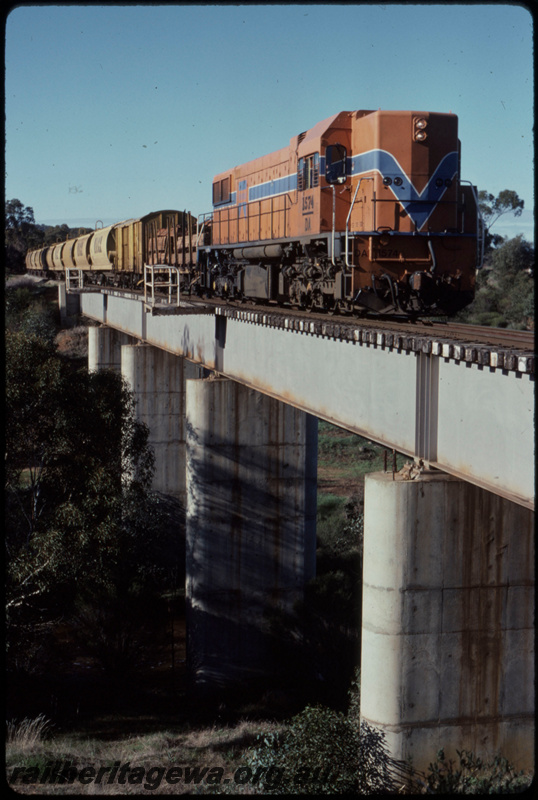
(308, 172)
(221, 192)
(335, 163)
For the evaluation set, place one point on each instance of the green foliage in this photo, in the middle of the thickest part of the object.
(474, 776)
(340, 523)
(29, 309)
(505, 288)
(21, 234)
(113, 622)
(493, 208)
(512, 259)
(52, 234)
(77, 472)
(319, 642)
(18, 300)
(39, 321)
(331, 519)
(325, 752)
(18, 216)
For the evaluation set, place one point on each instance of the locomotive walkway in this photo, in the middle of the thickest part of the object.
(447, 654)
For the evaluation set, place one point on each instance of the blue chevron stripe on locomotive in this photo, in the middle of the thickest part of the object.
(418, 205)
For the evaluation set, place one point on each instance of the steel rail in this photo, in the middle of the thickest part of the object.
(476, 334)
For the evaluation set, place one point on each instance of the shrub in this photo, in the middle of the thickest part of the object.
(473, 776)
(322, 751)
(39, 321)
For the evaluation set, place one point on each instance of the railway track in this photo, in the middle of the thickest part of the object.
(523, 341)
(497, 348)
(504, 336)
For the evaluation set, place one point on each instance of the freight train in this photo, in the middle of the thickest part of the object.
(116, 255)
(365, 212)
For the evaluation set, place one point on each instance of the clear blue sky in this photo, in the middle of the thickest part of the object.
(115, 111)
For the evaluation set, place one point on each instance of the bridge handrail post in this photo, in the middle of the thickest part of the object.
(74, 279)
(172, 284)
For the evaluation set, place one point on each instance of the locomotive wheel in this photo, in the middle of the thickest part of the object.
(334, 309)
(305, 302)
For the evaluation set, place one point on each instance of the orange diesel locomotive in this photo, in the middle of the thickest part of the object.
(364, 212)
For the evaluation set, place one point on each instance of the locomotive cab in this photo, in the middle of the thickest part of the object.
(335, 164)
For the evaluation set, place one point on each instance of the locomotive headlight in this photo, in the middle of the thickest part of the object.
(448, 183)
(439, 182)
(419, 132)
(387, 181)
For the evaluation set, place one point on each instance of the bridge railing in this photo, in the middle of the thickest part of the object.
(74, 279)
(161, 285)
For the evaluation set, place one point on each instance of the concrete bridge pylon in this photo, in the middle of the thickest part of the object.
(251, 524)
(447, 657)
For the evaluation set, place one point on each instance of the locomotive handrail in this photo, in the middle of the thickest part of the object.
(346, 255)
(480, 228)
(202, 219)
(434, 262)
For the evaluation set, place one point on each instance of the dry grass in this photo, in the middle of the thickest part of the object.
(73, 342)
(20, 281)
(28, 735)
(31, 744)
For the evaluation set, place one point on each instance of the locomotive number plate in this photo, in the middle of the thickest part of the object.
(308, 204)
